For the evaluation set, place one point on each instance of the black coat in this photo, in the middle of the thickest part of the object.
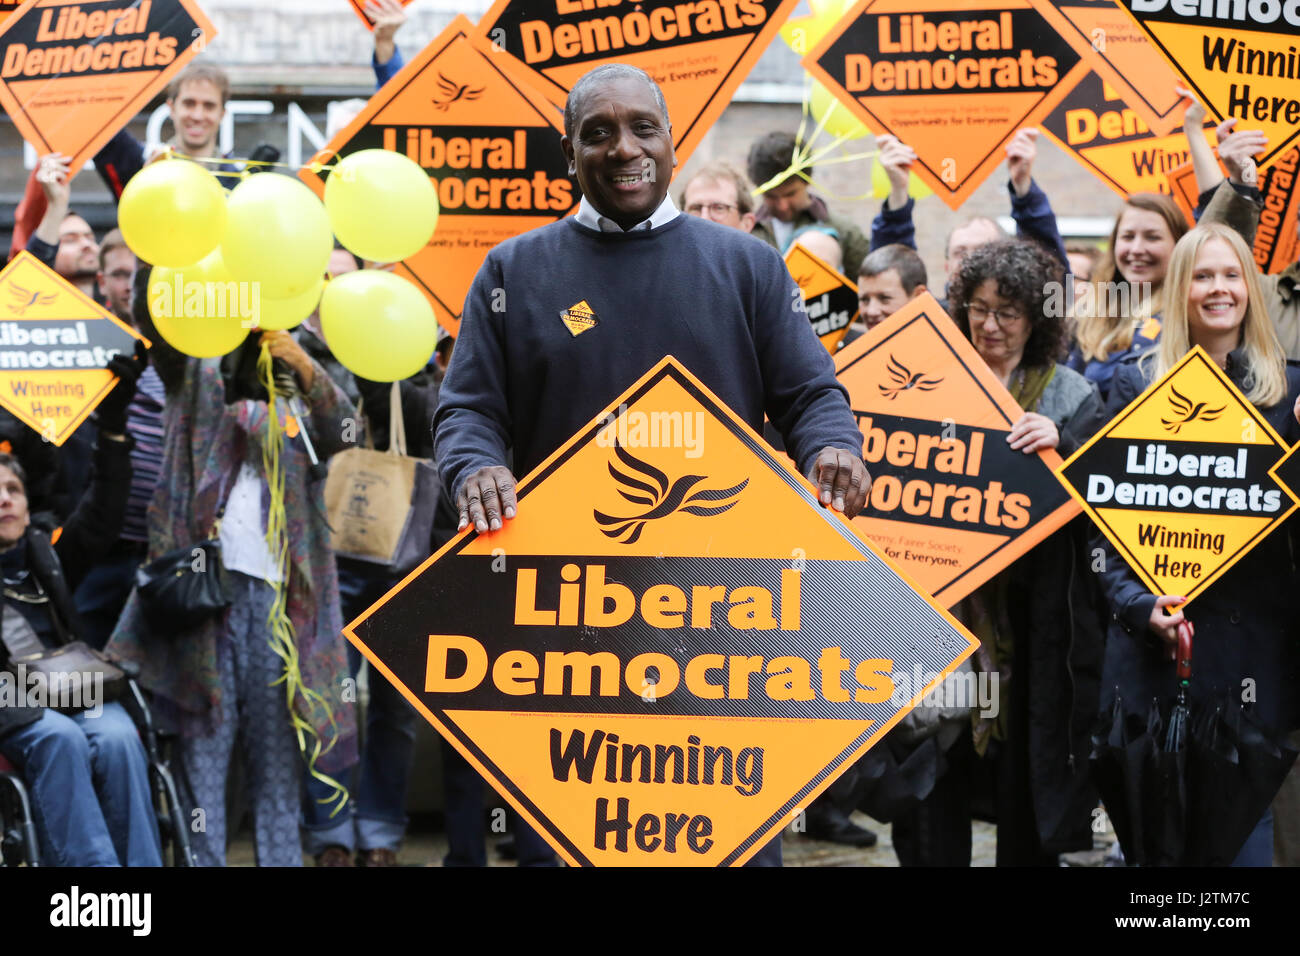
(91, 529)
(1057, 613)
(1247, 643)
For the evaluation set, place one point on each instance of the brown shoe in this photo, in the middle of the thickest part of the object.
(334, 855)
(380, 857)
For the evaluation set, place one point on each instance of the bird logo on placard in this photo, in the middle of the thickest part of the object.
(453, 92)
(23, 299)
(905, 379)
(1186, 412)
(662, 498)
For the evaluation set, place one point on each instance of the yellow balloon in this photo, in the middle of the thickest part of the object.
(277, 235)
(839, 122)
(378, 325)
(199, 309)
(382, 206)
(172, 213)
(286, 313)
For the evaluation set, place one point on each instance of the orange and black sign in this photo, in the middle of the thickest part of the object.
(1095, 126)
(360, 7)
(74, 73)
(1181, 481)
(1120, 53)
(1276, 245)
(698, 51)
(954, 79)
(54, 344)
(951, 502)
(830, 299)
(1240, 57)
(491, 145)
(9, 6)
(672, 649)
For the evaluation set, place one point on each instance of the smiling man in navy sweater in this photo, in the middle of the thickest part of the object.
(657, 282)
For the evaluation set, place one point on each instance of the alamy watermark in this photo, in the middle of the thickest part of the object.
(638, 429)
(183, 298)
(60, 690)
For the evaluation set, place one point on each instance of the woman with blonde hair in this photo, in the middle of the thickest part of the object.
(1117, 314)
(1244, 637)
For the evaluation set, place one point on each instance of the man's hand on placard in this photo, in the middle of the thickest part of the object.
(842, 480)
(387, 16)
(1021, 153)
(896, 159)
(487, 498)
(1238, 150)
(52, 174)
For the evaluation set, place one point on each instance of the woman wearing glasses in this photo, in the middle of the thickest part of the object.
(1245, 652)
(1041, 621)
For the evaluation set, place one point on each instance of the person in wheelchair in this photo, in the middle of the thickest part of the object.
(87, 771)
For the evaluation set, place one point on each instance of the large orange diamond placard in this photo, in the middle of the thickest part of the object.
(950, 501)
(672, 649)
(954, 79)
(698, 52)
(1120, 53)
(76, 73)
(1239, 57)
(491, 145)
(1182, 481)
(54, 344)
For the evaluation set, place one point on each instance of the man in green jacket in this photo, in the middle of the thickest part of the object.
(788, 208)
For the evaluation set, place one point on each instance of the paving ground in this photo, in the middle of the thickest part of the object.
(425, 846)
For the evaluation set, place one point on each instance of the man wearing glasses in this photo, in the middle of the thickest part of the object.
(720, 192)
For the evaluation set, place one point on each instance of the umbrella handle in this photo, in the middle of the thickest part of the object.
(1184, 669)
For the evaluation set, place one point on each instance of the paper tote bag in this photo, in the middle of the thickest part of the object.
(381, 503)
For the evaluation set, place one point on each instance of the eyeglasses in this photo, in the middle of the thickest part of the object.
(980, 314)
(714, 209)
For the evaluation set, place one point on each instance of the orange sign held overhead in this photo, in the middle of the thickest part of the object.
(951, 502)
(1120, 53)
(491, 145)
(75, 73)
(1181, 481)
(830, 299)
(698, 51)
(1240, 57)
(54, 344)
(954, 79)
(9, 6)
(672, 649)
(1276, 245)
(1112, 141)
(360, 7)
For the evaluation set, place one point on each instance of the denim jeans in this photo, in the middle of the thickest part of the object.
(1258, 848)
(377, 818)
(89, 782)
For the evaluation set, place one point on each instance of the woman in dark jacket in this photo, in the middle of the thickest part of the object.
(87, 771)
(1245, 651)
(1040, 621)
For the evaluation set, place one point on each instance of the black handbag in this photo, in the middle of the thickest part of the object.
(183, 588)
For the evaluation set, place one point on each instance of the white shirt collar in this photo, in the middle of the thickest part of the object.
(588, 216)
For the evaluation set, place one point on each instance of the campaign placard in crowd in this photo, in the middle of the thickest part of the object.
(1275, 245)
(698, 51)
(1239, 57)
(954, 79)
(672, 649)
(73, 74)
(951, 503)
(491, 144)
(1108, 138)
(830, 299)
(1181, 480)
(1120, 53)
(54, 344)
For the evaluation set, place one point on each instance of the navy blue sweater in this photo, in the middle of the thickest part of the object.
(718, 300)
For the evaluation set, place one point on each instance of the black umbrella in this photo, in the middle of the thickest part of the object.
(1186, 785)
